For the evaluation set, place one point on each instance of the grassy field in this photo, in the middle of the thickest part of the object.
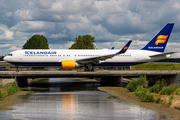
(157, 66)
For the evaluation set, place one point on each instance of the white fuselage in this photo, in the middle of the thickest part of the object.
(54, 57)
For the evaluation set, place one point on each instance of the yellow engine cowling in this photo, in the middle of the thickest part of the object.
(69, 64)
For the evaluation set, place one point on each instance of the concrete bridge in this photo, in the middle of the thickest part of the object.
(109, 77)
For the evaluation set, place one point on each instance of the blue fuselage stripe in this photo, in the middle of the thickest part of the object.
(59, 63)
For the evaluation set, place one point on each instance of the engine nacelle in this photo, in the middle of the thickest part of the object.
(69, 64)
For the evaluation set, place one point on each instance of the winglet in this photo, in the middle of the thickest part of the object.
(124, 49)
(112, 48)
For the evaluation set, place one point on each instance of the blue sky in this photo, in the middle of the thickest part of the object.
(111, 22)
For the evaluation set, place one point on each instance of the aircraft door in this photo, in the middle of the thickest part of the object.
(137, 57)
(20, 56)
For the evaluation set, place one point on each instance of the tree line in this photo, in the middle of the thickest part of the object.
(40, 42)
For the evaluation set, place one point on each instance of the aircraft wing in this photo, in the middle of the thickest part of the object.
(103, 57)
(162, 55)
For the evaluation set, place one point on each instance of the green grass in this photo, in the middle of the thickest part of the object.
(156, 66)
(41, 79)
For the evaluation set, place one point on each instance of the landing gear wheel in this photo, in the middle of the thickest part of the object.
(16, 66)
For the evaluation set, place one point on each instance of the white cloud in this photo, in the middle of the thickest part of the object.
(60, 35)
(14, 48)
(30, 26)
(109, 45)
(6, 33)
(176, 55)
(176, 5)
(22, 15)
(4, 45)
(61, 46)
(95, 18)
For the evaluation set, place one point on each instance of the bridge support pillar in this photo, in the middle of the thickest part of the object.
(173, 79)
(21, 81)
(111, 80)
(169, 79)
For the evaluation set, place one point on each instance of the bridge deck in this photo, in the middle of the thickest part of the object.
(47, 74)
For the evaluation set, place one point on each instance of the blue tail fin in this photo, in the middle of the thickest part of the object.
(158, 43)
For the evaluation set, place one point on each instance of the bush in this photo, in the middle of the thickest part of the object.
(144, 95)
(177, 92)
(9, 89)
(140, 91)
(169, 89)
(147, 98)
(158, 86)
(13, 89)
(158, 100)
(168, 103)
(134, 84)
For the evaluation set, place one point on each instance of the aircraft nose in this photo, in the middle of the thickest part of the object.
(6, 58)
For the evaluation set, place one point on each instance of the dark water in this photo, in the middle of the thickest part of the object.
(74, 103)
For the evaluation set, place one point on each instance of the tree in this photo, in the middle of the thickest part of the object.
(1, 58)
(84, 42)
(36, 42)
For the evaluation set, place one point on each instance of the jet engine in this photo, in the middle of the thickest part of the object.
(69, 64)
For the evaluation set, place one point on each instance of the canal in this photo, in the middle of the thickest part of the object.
(77, 103)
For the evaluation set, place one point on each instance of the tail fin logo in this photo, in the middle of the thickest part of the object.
(125, 48)
(161, 39)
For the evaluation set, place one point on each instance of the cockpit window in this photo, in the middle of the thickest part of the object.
(10, 54)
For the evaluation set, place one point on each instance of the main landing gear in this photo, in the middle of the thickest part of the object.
(17, 66)
(89, 68)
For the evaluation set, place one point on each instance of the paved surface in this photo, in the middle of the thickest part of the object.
(5, 64)
(6, 81)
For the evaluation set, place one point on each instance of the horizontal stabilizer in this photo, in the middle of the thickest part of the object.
(163, 54)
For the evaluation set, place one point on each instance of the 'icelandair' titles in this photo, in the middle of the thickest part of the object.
(40, 52)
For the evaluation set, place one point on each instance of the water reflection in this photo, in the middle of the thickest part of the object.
(69, 106)
(78, 103)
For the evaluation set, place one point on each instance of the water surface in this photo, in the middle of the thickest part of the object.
(76, 103)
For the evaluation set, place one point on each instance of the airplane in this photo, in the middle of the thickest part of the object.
(71, 59)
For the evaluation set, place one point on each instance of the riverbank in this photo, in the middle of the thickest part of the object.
(19, 97)
(10, 94)
(123, 93)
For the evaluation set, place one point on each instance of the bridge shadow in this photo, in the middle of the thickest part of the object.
(65, 84)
